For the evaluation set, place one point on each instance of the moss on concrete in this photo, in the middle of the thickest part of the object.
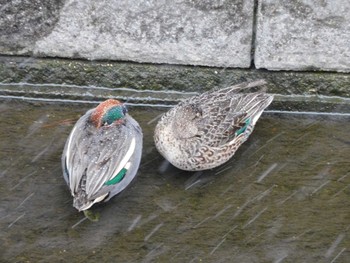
(165, 77)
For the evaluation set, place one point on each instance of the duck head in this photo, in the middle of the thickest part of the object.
(108, 112)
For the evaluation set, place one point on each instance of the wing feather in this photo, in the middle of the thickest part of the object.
(227, 110)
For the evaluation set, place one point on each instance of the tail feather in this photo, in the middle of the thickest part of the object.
(246, 86)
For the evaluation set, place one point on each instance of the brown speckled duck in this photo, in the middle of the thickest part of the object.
(205, 131)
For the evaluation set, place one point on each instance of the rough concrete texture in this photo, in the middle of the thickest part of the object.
(23, 22)
(290, 35)
(303, 35)
(197, 32)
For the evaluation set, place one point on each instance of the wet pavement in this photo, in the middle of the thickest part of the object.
(284, 196)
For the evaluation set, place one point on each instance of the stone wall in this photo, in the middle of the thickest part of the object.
(303, 35)
(273, 34)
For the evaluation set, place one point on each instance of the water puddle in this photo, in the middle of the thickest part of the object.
(284, 197)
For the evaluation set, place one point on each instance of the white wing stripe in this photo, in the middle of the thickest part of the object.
(126, 158)
(69, 170)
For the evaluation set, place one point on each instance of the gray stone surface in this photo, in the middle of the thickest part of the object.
(23, 22)
(303, 35)
(299, 35)
(197, 32)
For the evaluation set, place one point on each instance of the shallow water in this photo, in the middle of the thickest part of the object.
(284, 197)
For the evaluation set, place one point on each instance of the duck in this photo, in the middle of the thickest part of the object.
(204, 131)
(102, 154)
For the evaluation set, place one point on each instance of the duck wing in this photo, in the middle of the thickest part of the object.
(228, 113)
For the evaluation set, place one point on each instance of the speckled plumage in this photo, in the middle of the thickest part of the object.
(205, 131)
(102, 154)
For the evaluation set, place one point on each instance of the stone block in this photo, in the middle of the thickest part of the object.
(303, 35)
(195, 32)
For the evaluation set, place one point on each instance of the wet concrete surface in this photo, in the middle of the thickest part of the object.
(284, 196)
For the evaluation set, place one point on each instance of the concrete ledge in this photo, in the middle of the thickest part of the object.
(165, 77)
